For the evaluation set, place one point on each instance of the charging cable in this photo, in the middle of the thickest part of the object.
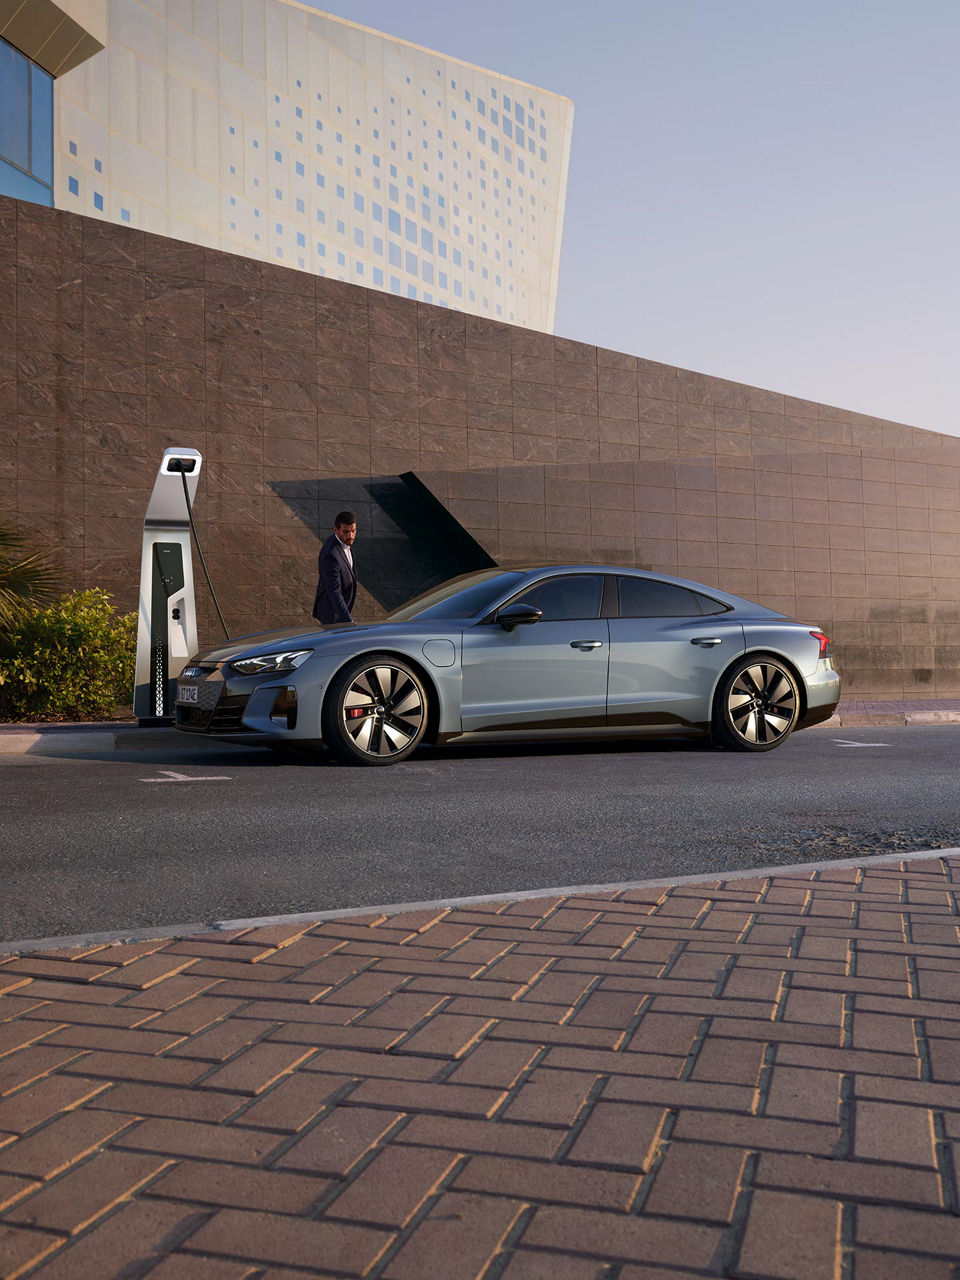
(203, 563)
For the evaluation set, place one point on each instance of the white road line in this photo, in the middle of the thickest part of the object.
(173, 776)
(846, 742)
(521, 895)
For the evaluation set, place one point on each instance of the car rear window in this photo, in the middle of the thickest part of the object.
(649, 598)
(709, 605)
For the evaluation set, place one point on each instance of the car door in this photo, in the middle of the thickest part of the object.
(666, 652)
(549, 674)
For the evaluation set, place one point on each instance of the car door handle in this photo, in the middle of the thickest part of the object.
(706, 642)
(586, 645)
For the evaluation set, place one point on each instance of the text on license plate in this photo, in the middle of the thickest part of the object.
(187, 693)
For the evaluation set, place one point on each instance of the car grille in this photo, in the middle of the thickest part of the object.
(214, 711)
(209, 689)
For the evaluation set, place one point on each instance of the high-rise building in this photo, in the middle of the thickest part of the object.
(269, 129)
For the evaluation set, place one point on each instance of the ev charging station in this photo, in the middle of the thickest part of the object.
(167, 627)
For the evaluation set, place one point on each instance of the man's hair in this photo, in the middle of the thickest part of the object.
(344, 517)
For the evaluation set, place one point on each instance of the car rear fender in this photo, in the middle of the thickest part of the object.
(790, 641)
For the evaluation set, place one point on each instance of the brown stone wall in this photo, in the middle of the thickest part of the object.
(305, 395)
(864, 543)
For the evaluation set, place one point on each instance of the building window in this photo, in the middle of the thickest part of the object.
(26, 128)
(74, 186)
(98, 201)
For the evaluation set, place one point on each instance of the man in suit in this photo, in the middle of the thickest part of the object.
(337, 587)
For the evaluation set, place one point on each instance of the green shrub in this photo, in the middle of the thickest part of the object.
(73, 660)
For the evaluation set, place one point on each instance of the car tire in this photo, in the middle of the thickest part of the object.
(375, 712)
(757, 705)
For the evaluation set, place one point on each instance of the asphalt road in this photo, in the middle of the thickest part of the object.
(121, 841)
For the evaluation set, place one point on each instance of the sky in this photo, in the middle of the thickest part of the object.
(765, 190)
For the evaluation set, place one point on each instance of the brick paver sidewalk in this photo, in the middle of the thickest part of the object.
(754, 1077)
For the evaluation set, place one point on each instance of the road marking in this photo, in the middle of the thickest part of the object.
(846, 742)
(173, 776)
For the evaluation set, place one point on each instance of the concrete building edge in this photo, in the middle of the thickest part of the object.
(23, 945)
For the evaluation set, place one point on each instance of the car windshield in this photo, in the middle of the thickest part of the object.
(462, 597)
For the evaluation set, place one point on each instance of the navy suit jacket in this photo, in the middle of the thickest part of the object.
(337, 585)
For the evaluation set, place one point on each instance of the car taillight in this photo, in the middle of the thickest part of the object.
(824, 643)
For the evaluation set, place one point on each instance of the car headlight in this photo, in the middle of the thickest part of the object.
(267, 663)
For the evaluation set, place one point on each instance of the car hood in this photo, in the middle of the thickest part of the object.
(268, 641)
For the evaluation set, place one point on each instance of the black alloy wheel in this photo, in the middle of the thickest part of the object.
(757, 705)
(375, 712)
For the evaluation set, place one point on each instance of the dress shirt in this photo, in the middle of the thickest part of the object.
(346, 550)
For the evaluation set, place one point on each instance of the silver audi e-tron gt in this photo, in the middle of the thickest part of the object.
(548, 652)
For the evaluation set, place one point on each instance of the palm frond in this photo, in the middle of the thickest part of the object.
(26, 580)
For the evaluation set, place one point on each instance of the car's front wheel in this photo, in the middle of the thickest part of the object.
(757, 705)
(375, 711)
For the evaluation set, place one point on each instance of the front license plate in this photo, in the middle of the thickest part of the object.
(187, 693)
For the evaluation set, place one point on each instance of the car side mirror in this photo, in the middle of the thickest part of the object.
(518, 615)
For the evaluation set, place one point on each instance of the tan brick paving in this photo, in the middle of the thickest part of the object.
(754, 1078)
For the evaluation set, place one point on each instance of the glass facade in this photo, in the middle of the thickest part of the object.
(304, 139)
(26, 128)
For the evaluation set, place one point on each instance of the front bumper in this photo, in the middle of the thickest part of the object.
(222, 704)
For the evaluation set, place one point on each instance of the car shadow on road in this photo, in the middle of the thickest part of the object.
(222, 755)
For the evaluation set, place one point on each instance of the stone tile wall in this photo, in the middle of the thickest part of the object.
(864, 543)
(305, 395)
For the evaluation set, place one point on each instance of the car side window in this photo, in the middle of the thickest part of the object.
(567, 598)
(708, 605)
(648, 598)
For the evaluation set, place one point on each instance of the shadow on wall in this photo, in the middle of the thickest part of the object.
(407, 540)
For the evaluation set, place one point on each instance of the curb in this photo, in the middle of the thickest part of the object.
(193, 928)
(888, 719)
(47, 739)
(24, 740)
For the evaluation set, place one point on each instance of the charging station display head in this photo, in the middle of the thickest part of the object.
(167, 506)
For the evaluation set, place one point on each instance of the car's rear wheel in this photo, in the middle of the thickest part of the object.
(375, 712)
(757, 705)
